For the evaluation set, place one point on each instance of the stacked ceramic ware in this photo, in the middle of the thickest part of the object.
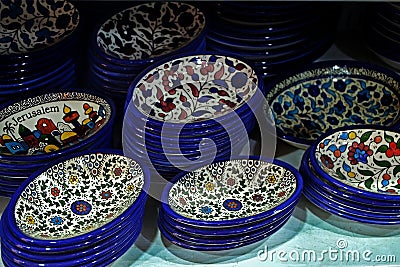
(39, 129)
(383, 32)
(85, 209)
(132, 39)
(189, 110)
(229, 204)
(273, 35)
(353, 172)
(38, 46)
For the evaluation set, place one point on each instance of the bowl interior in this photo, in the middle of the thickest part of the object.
(77, 196)
(231, 190)
(29, 26)
(150, 30)
(310, 103)
(366, 159)
(50, 122)
(195, 88)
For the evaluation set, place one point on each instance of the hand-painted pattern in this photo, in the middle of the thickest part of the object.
(150, 30)
(195, 88)
(363, 158)
(231, 190)
(28, 25)
(71, 198)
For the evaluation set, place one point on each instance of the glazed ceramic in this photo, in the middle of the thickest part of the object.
(364, 160)
(331, 94)
(194, 88)
(150, 30)
(28, 26)
(228, 192)
(50, 123)
(76, 198)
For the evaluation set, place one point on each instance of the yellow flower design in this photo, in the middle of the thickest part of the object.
(352, 135)
(271, 179)
(30, 220)
(210, 186)
(130, 187)
(73, 179)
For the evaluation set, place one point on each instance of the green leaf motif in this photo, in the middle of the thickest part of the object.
(382, 163)
(396, 170)
(388, 138)
(366, 172)
(369, 182)
(365, 136)
(397, 186)
(340, 175)
(382, 148)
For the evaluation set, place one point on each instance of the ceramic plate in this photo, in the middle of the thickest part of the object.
(333, 94)
(77, 196)
(28, 26)
(194, 88)
(230, 191)
(51, 122)
(150, 30)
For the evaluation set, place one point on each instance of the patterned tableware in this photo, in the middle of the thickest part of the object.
(327, 95)
(362, 160)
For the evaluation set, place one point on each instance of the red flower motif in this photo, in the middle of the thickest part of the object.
(167, 106)
(231, 182)
(55, 191)
(392, 150)
(106, 194)
(281, 194)
(117, 171)
(258, 198)
(358, 152)
(326, 161)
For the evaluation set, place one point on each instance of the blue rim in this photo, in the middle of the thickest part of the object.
(240, 221)
(81, 238)
(351, 189)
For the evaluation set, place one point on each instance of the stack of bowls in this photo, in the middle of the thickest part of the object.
(84, 209)
(38, 45)
(326, 95)
(45, 127)
(353, 172)
(136, 37)
(383, 32)
(228, 204)
(272, 35)
(190, 109)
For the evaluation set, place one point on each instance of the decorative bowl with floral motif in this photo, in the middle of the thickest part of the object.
(234, 192)
(330, 94)
(361, 160)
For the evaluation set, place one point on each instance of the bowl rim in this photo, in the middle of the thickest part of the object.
(336, 182)
(238, 221)
(82, 237)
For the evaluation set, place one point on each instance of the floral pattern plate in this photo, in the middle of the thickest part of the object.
(150, 30)
(77, 196)
(29, 25)
(360, 158)
(230, 190)
(309, 103)
(50, 122)
(194, 88)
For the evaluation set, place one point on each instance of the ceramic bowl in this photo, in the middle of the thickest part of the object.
(148, 31)
(226, 193)
(61, 17)
(37, 212)
(49, 125)
(327, 95)
(362, 160)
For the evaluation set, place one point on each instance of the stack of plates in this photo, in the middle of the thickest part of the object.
(82, 210)
(272, 35)
(38, 45)
(136, 37)
(228, 204)
(189, 110)
(384, 32)
(353, 173)
(45, 127)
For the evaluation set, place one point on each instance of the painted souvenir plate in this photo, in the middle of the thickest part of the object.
(51, 122)
(332, 94)
(229, 192)
(28, 26)
(194, 88)
(362, 159)
(77, 196)
(150, 30)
